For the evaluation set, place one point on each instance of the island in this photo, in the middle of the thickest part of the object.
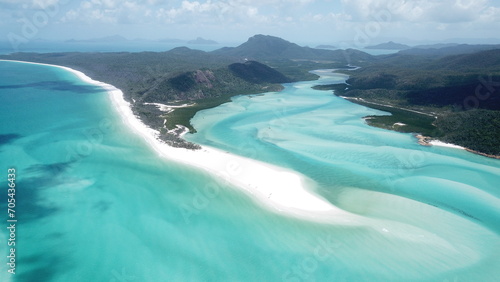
(200, 40)
(454, 99)
(451, 98)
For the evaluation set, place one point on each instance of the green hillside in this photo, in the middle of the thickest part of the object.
(179, 76)
(255, 72)
(457, 89)
(270, 48)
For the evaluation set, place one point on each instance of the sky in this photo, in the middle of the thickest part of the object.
(358, 22)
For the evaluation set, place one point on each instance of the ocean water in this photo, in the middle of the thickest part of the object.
(95, 203)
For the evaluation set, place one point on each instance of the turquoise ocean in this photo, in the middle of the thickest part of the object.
(95, 203)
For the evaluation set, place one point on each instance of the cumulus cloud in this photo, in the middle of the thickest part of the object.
(43, 4)
(439, 11)
(30, 4)
(185, 11)
(491, 14)
(229, 12)
(108, 11)
(290, 16)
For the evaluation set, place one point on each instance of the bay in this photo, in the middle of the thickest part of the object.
(96, 203)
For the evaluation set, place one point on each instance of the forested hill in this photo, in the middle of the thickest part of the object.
(389, 46)
(443, 82)
(443, 50)
(200, 79)
(134, 73)
(461, 90)
(255, 72)
(164, 76)
(266, 47)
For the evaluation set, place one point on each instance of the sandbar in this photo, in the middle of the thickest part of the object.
(278, 189)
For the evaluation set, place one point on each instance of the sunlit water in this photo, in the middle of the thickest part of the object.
(95, 203)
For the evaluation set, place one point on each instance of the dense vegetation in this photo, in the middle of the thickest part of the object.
(200, 79)
(265, 48)
(477, 130)
(459, 90)
(205, 89)
(255, 72)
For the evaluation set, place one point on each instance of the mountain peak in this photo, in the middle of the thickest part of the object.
(391, 45)
(264, 46)
(269, 40)
(267, 47)
(265, 37)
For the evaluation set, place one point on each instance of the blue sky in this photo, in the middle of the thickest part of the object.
(361, 21)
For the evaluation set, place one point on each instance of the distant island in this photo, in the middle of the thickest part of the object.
(113, 38)
(389, 46)
(119, 38)
(448, 50)
(200, 40)
(436, 46)
(428, 91)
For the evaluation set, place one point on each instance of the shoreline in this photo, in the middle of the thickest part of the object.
(428, 141)
(423, 140)
(278, 189)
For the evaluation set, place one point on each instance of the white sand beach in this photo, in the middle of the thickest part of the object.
(442, 144)
(278, 189)
(168, 108)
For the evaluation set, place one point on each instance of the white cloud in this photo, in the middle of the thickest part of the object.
(445, 11)
(107, 11)
(220, 12)
(490, 14)
(244, 17)
(30, 4)
(43, 4)
(242, 12)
